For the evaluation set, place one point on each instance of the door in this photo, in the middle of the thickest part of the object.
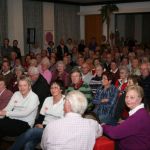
(93, 28)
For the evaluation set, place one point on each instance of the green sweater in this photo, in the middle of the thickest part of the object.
(86, 90)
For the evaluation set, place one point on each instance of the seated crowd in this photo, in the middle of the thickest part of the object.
(49, 95)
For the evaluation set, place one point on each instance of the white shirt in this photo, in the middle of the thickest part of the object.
(87, 77)
(71, 133)
(52, 111)
(23, 108)
(131, 112)
(114, 70)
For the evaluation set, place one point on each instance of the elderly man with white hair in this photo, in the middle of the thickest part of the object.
(72, 132)
(39, 84)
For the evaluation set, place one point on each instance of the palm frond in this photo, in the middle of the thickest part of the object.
(106, 10)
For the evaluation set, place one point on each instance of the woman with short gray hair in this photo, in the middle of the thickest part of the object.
(61, 74)
(44, 69)
(13, 84)
(134, 132)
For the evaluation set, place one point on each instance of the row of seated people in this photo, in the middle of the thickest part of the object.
(65, 128)
(42, 76)
(81, 81)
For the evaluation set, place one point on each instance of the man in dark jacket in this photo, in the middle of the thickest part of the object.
(39, 84)
(62, 50)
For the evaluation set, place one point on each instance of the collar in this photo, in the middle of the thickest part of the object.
(72, 114)
(131, 112)
(114, 71)
(60, 101)
(5, 73)
(88, 74)
(120, 81)
(2, 91)
(29, 93)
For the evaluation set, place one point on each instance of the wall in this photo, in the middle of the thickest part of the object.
(123, 8)
(33, 18)
(15, 22)
(48, 21)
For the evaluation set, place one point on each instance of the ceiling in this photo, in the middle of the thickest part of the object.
(91, 2)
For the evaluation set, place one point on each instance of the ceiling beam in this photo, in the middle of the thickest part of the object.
(92, 2)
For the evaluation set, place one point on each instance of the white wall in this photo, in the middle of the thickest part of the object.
(15, 22)
(123, 8)
(48, 20)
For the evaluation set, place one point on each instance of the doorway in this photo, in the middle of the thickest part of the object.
(93, 28)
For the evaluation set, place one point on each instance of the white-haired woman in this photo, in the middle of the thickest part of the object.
(134, 132)
(20, 113)
(61, 74)
(44, 69)
(121, 83)
(13, 84)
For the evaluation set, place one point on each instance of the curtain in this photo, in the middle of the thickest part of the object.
(33, 18)
(67, 22)
(130, 25)
(3, 20)
(146, 28)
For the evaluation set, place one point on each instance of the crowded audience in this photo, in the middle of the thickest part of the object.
(104, 75)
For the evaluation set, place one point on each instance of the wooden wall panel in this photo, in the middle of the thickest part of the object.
(93, 28)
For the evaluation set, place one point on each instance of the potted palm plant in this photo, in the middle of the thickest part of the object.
(106, 12)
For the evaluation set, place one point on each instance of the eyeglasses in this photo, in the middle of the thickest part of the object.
(104, 78)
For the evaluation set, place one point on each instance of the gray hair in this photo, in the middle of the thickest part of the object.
(125, 68)
(136, 88)
(78, 101)
(46, 61)
(25, 78)
(33, 70)
(60, 62)
(20, 68)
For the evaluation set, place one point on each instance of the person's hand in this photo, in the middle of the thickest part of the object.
(103, 124)
(105, 100)
(2, 113)
(121, 121)
(39, 126)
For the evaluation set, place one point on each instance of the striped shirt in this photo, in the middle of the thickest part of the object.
(95, 83)
(86, 90)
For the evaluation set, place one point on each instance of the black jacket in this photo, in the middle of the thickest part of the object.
(41, 88)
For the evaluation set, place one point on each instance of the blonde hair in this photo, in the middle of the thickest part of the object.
(136, 88)
(25, 78)
(45, 61)
(33, 62)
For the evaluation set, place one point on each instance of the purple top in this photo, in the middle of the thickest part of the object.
(133, 133)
